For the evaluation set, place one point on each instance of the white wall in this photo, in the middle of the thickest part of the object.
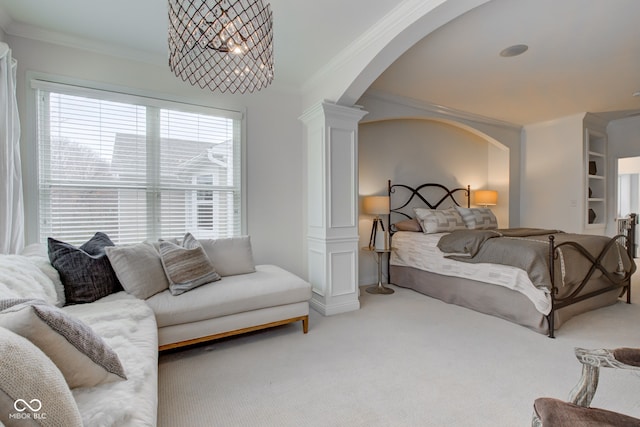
(414, 152)
(275, 170)
(552, 175)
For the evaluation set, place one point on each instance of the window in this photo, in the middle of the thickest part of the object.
(135, 168)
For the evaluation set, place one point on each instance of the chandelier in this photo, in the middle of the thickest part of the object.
(225, 45)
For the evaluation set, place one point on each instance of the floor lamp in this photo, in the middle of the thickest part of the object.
(376, 205)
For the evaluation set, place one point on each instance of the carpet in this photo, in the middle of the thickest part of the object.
(401, 360)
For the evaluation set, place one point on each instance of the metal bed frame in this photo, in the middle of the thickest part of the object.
(626, 237)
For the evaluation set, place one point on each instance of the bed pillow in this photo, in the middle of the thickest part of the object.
(82, 356)
(229, 256)
(478, 218)
(30, 384)
(408, 225)
(139, 269)
(186, 268)
(439, 221)
(85, 272)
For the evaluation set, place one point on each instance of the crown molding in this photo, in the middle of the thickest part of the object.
(39, 34)
(430, 109)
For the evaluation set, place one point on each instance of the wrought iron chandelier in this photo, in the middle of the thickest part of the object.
(221, 44)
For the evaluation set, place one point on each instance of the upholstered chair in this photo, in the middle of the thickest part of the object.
(549, 412)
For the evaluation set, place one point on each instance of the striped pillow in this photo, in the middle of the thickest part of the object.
(185, 268)
(478, 218)
(438, 221)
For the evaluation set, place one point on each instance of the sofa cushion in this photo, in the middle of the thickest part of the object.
(139, 269)
(185, 268)
(31, 384)
(20, 277)
(268, 286)
(229, 256)
(82, 356)
(86, 272)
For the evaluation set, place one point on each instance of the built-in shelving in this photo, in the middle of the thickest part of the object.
(595, 179)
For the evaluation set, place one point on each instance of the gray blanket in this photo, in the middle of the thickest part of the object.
(528, 249)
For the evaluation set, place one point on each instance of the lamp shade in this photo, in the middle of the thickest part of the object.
(376, 205)
(486, 197)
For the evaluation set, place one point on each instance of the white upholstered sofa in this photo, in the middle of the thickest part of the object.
(136, 328)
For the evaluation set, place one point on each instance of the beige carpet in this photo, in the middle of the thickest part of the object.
(401, 360)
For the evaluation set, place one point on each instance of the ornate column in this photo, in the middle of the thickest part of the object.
(331, 137)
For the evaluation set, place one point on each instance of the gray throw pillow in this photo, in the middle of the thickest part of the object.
(85, 272)
(229, 256)
(185, 268)
(139, 269)
(82, 356)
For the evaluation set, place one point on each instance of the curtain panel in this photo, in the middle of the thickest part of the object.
(11, 197)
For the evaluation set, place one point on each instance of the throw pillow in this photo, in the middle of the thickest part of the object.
(229, 256)
(185, 268)
(32, 388)
(139, 269)
(82, 356)
(86, 272)
(478, 218)
(439, 221)
(408, 225)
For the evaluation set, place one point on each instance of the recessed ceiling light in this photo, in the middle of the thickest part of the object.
(515, 50)
(636, 93)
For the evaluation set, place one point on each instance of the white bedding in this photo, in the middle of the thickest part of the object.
(419, 250)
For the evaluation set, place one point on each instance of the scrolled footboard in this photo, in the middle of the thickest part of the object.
(619, 279)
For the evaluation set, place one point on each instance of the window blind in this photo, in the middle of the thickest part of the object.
(135, 168)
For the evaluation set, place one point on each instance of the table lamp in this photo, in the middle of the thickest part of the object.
(486, 197)
(376, 205)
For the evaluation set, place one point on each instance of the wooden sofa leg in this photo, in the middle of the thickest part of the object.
(305, 324)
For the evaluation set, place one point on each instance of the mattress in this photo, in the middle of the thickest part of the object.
(420, 251)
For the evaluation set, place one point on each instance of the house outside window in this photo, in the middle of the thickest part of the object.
(135, 168)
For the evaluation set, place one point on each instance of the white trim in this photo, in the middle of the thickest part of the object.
(120, 95)
(437, 110)
(46, 36)
(394, 22)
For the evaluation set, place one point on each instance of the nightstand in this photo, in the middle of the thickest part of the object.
(379, 288)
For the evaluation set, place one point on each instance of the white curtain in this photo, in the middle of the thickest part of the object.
(11, 201)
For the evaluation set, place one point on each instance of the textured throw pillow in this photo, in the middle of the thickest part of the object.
(478, 218)
(82, 356)
(86, 272)
(229, 256)
(439, 221)
(185, 268)
(139, 269)
(32, 389)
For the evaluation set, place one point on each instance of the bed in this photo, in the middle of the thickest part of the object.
(532, 277)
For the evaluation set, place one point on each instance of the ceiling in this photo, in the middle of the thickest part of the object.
(580, 59)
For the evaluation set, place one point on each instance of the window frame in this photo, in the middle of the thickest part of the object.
(29, 146)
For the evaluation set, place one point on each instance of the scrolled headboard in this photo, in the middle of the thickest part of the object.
(431, 195)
